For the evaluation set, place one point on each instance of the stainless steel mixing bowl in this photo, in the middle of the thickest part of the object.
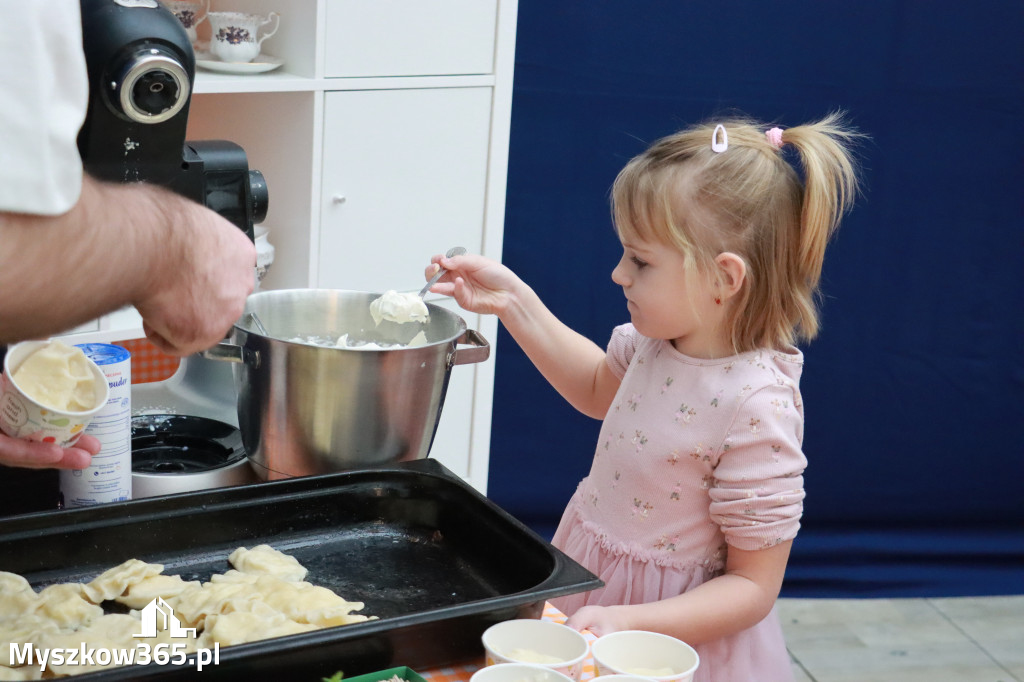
(310, 409)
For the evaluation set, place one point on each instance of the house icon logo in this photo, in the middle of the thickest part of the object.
(159, 613)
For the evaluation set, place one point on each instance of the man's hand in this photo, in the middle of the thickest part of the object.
(200, 286)
(185, 268)
(16, 452)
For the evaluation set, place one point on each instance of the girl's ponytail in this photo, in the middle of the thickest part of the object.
(830, 187)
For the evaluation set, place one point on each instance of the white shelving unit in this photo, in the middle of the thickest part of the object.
(384, 140)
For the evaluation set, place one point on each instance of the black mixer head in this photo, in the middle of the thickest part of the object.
(141, 69)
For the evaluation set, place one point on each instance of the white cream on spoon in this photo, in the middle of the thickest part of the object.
(408, 306)
(399, 307)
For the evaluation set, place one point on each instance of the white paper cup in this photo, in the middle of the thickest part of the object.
(522, 640)
(636, 652)
(518, 672)
(23, 417)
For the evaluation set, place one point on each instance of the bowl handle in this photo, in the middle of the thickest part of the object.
(229, 352)
(480, 351)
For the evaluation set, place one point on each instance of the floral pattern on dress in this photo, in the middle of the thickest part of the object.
(666, 543)
(641, 508)
(639, 441)
(633, 484)
(700, 453)
(721, 461)
(716, 561)
(685, 414)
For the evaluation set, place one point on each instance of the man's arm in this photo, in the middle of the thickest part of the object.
(185, 268)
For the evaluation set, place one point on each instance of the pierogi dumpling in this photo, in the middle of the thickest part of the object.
(267, 560)
(146, 590)
(115, 581)
(65, 605)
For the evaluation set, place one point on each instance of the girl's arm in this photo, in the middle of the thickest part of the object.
(573, 364)
(736, 600)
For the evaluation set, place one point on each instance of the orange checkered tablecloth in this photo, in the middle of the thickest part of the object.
(462, 673)
(148, 362)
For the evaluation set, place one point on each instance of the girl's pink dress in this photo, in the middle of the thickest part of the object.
(694, 456)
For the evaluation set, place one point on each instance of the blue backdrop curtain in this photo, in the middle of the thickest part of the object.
(914, 391)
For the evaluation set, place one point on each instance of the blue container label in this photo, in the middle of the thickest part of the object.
(104, 353)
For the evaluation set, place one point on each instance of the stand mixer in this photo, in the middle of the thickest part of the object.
(141, 70)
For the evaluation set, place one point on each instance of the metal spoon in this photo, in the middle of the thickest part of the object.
(259, 325)
(452, 252)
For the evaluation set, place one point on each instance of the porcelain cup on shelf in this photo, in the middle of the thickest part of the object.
(233, 35)
(264, 253)
(189, 13)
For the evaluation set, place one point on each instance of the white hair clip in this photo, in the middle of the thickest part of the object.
(719, 146)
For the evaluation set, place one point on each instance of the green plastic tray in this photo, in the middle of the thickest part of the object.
(404, 672)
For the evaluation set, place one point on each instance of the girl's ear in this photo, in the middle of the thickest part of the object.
(732, 270)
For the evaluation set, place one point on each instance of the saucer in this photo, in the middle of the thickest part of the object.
(261, 64)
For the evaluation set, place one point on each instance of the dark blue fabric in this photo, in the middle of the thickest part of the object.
(914, 391)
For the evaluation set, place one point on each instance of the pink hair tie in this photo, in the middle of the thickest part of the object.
(774, 136)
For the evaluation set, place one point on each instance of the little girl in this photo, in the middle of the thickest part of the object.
(696, 489)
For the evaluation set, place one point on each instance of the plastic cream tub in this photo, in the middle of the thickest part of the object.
(29, 413)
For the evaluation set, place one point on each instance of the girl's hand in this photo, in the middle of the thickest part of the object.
(477, 284)
(600, 620)
(16, 452)
(573, 364)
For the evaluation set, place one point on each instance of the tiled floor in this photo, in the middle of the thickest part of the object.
(905, 640)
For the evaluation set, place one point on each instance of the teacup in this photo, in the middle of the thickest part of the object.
(189, 13)
(233, 34)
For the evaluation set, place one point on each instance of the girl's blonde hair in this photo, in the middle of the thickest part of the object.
(750, 201)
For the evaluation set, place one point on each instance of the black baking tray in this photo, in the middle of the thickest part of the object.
(435, 560)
